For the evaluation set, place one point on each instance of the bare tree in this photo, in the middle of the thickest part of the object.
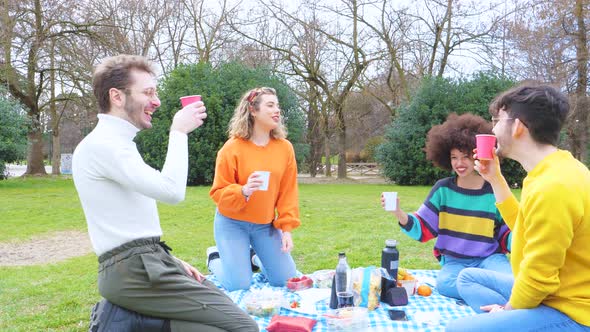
(366, 118)
(29, 30)
(194, 31)
(578, 124)
(391, 27)
(169, 43)
(130, 26)
(211, 32)
(314, 104)
(450, 26)
(344, 42)
(551, 38)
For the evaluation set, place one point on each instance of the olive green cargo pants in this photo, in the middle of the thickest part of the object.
(142, 276)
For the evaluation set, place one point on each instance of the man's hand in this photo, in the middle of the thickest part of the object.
(491, 308)
(287, 242)
(189, 118)
(489, 169)
(192, 271)
(252, 184)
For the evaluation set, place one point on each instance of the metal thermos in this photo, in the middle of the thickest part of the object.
(390, 262)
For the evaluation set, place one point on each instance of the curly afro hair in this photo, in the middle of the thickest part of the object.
(457, 132)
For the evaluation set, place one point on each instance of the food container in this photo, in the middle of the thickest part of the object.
(323, 278)
(264, 302)
(409, 285)
(350, 319)
(297, 284)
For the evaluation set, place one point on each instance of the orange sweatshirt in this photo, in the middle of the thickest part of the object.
(237, 159)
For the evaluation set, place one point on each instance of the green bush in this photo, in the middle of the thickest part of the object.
(402, 154)
(13, 132)
(368, 154)
(221, 88)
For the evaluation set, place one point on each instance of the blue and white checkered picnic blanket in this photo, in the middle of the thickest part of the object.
(436, 305)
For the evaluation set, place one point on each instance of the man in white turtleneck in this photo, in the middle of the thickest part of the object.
(118, 192)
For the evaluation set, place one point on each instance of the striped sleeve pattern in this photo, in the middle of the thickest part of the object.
(465, 222)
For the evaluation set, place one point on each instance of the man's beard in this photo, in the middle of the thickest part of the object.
(131, 107)
(133, 110)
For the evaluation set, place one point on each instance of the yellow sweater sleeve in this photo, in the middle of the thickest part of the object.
(288, 197)
(545, 237)
(509, 210)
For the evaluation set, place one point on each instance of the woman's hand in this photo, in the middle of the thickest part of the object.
(192, 271)
(287, 242)
(396, 203)
(252, 184)
(401, 216)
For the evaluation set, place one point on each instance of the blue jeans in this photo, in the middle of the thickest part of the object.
(446, 282)
(234, 238)
(480, 287)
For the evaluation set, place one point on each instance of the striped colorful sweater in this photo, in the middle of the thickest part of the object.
(465, 222)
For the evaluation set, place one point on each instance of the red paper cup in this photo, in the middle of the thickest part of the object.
(189, 100)
(485, 144)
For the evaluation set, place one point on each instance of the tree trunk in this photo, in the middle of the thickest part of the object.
(327, 156)
(314, 138)
(35, 154)
(56, 157)
(342, 155)
(341, 142)
(35, 164)
(56, 146)
(580, 121)
(326, 139)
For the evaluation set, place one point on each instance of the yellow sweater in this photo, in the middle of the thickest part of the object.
(236, 160)
(551, 237)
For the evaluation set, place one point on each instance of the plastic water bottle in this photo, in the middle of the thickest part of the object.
(390, 262)
(343, 280)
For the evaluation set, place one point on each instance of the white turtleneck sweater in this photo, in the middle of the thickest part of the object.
(118, 190)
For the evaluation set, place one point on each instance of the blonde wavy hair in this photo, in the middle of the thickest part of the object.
(241, 124)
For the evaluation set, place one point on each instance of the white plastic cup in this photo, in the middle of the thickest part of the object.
(390, 200)
(265, 177)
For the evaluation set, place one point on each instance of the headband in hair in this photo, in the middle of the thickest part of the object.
(252, 96)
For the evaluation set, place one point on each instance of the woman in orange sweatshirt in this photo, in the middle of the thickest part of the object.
(250, 211)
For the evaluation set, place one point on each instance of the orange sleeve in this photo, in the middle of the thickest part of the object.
(225, 192)
(288, 197)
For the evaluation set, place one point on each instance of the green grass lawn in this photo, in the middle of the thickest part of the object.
(58, 297)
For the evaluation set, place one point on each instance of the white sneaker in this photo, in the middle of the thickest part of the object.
(254, 260)
(212, 253)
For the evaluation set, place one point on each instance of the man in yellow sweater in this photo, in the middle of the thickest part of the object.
(550, 288)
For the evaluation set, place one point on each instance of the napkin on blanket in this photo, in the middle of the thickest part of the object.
(290, 324)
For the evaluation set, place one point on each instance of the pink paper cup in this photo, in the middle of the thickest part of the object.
(189, 100)
(485, 144)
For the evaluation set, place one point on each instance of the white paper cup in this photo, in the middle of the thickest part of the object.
(265, 177)
(390, 200)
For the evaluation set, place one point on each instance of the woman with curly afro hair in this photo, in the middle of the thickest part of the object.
(460, 211)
